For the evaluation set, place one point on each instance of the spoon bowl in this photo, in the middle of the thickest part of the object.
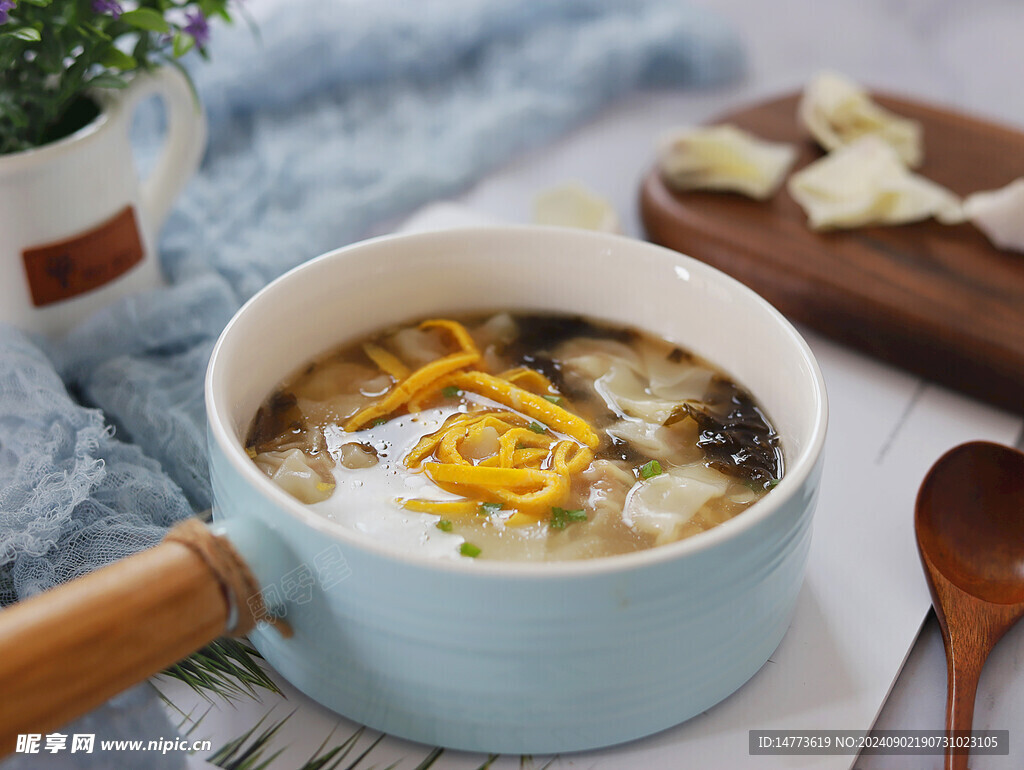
(969, 520)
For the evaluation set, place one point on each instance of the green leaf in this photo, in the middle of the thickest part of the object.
(147, 19)
(211, 8)
(115, 58)
(28, 34)
(332, 759)
(486, 509)
(37, 3)
(226, 668)
(430, 759)
(536, 427)
(470, 550)
(11, 110)
(86, 30)
(357, 762)
(182, 44)
(236, 755)
(444, 525)
(141, 49)
(108, 80)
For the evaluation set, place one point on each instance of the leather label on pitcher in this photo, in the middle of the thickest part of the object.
(64, 269)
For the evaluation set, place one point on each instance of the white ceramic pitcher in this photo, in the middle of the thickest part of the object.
(78, 227)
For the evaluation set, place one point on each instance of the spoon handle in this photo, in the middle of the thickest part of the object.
(965, 656)
(970, 629)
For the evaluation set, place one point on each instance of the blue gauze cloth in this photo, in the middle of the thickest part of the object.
(340, 116)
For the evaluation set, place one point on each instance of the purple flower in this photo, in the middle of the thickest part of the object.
(197, 27)
(5, 6)
(108, 6)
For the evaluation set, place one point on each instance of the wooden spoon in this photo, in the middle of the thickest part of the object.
(970, 533)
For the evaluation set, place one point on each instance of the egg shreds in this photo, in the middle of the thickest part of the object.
(387, 362)
(539, 408)
(401, 393)
(532, 449)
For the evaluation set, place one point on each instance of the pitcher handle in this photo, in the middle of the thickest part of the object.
(183, 146)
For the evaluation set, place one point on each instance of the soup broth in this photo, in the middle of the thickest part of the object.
(517, 437)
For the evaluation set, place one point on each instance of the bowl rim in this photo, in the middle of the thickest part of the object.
(796, 475)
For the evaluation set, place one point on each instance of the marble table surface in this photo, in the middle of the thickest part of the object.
(967, 56)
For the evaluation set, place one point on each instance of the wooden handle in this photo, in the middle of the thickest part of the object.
(66, 651)
(964, 662)
(970, 629)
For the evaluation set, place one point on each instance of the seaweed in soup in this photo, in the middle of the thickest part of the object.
(735, 435)
(546, 332)
(278, 418)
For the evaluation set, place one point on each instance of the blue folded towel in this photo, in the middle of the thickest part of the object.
(341, 115)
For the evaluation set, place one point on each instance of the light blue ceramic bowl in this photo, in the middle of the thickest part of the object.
(517, 657)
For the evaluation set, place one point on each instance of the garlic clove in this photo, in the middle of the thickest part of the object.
(866, 183)
(724, 157)
(838, 112)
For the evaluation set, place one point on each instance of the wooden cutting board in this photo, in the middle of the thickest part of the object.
(938, 300)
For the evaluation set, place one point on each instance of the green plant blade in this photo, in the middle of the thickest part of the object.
(147, 19)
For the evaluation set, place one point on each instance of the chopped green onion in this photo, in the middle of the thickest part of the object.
(536, 427)
(650, 469)
(760, 484)
(486, 509)
(379, 421)
(553, 399)
(444, 525)
(561, 517)
(470, 550)
(450, 392)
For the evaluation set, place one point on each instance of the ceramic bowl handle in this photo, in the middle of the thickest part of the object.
(66, 651)
(183, 145)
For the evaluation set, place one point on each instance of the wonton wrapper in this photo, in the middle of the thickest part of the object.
(573, 205)
(292, 472)
(865, 183)
(999, 214)
(646, 387)
(724, 158)
(608, 486)
(661, 505)
(838, 112)
(626, 393)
